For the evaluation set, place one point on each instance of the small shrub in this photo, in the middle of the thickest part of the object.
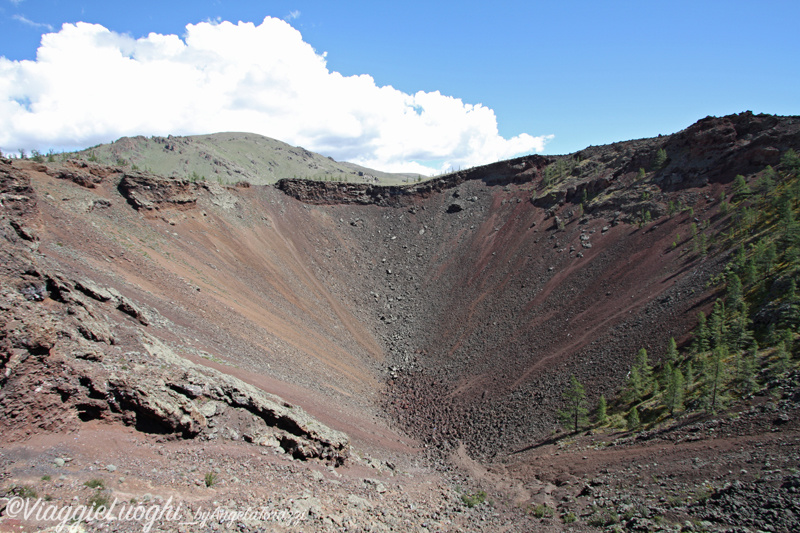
(24, 491)
(703, 493)
(569, 518)
(617, 421)
(471, 500)
(603, 517)
(95, 484)
(210, 479)
(542, 511)
(674, 501)
(46, 478)
(99, 499)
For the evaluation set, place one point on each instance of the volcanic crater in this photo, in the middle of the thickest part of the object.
(418, 334)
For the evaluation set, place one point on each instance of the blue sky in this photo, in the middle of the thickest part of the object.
(583, 72)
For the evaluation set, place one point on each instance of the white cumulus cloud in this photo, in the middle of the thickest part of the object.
(90, 85)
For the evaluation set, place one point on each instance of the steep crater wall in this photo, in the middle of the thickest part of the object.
(490, 287)
(460, 305)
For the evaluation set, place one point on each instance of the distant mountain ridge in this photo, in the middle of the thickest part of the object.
(233, 157)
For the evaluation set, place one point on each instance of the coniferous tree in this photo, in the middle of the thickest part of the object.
(791, 161)
(748, 367)
(769, 258)
(738, 334)
(602, 415)
(740, 187)
(714, 378)
(701, 333)
(633, 419)
(734, 292)
(672, 351)
(785, 212)
(771, 338)
(671, 208)
(767, 182)
(716, 324)
(783, 358)
(575, 397)
(645, 370)
(634, 385)
(739, 259)
(661, 159)
(750, 272)
(675, 390)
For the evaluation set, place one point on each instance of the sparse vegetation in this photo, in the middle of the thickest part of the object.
(728, 357)
(95, 483)
(99, 500)
(23, 491)
(543, 511)
(471, 500)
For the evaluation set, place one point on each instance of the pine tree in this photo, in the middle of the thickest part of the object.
(738, 334)
(675, 390)
(748, 366)
(661, 159)
(633, 419)
(671, 208)
(645, 370)
(791, 161)
(740, 188)
(739, 259)
(716, 324)
(734, 291)
(672, 351)
(750, 272)
(701, 333)
(715, 378)
(769, 257)
(602, 415)
(689, 375)
(575, 398)
(783, 358)
(634, 385)
(767, 182)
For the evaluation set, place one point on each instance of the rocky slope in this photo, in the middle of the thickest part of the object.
(71, 343)
(452, 311)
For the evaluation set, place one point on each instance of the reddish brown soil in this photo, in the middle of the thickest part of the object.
(433, 324)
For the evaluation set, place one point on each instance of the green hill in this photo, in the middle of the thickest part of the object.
(233, 157)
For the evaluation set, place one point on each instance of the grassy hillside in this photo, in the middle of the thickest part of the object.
(233, 157)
